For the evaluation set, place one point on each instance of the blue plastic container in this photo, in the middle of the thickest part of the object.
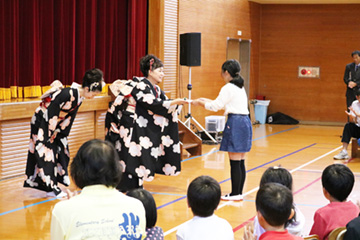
(261, 107)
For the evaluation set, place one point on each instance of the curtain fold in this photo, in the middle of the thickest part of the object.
(137, 36)
(45, 40)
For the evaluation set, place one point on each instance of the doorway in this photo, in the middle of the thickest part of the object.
(239, 49)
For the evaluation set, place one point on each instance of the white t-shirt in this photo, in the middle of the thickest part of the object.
(356, 106)
(98, 212)
(209, 228)
(232, 98)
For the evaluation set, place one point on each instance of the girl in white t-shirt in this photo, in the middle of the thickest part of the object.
(237, 135)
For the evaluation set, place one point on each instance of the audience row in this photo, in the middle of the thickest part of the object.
(102, 212)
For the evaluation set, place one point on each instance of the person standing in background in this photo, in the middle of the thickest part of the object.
(352, 78)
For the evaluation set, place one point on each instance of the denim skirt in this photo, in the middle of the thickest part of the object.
(237, 135)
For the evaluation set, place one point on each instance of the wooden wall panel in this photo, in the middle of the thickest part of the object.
(170, 82)
(216, 20)
(307, 35)
(100, 124)
(14, 143)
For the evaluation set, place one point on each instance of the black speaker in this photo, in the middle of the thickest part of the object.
(190, 49)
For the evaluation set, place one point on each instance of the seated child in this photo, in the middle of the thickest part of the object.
(274, 206)
(152, 232)
(203, 196)
(337, 181)
(282, 176)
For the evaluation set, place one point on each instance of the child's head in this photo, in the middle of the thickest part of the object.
(203, 196)
(96, 162)
(277, 175)
(274, 202)
(149, 204)
(338, 181)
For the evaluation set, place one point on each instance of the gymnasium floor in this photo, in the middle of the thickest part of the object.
(305, 150)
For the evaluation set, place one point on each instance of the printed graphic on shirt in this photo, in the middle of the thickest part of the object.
(130, 229)
(108, 228)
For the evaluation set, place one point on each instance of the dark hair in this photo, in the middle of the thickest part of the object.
(93, 80)
(96, 162)
(338, 180)
(274, 201)
(282, 176)
(203, 196)
(357, 91)
(355, 52)
(149, 62)
(233, 67)
(277, 175)
(149, 204)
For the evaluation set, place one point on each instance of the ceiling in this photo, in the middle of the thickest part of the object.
(305, 1)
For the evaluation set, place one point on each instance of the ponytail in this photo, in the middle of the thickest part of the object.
(238, 81)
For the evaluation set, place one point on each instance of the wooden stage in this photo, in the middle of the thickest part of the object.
(303, 149)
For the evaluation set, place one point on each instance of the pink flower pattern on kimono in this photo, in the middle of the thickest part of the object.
(114, 128)
(127, 141)
(59, 169)
(167, 141)
(49, 155)
(142, 172)
(64, 124)
(123, 165)
(67, 105)
(170, 170)
(155, 151)
(118, 145)
(53, 122)
(40, 148)
(141, 86)
(145, 142)
(55, 94)
(123, 132)
(111, 109)
(160, 121)
(161, 150)
(135, 149)
(40, 135)
(33, 119)
(148, 98)
(142, 122)
(31, 145)
(176, 148)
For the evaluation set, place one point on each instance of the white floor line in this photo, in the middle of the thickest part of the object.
(255, 189)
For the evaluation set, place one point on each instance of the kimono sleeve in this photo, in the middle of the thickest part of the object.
(146, 99)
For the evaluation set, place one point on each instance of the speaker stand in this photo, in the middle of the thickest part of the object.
(190, 117)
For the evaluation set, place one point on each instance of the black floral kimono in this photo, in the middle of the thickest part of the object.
(48, 155)
(143, 127)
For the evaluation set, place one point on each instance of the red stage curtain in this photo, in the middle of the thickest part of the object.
(137, 36)
(44, 40)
